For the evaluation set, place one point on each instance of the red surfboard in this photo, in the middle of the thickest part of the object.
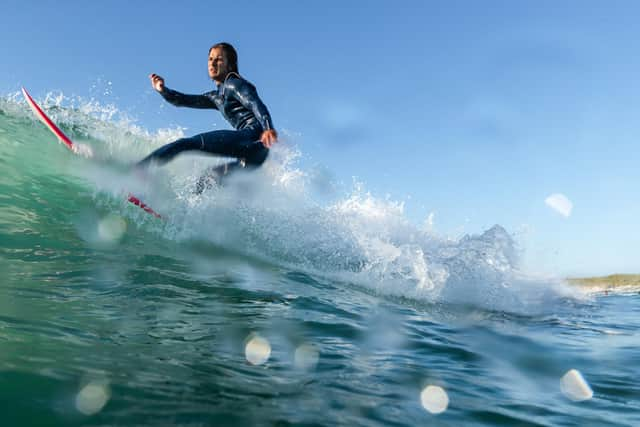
(71, 146)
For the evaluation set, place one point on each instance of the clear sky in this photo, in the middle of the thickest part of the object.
(474, 111)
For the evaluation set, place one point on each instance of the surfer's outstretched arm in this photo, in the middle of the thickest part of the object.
(192, 101)
(180, 99)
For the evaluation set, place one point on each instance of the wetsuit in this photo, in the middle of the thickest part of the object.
(239, 103)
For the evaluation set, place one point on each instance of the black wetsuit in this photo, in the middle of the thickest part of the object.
(239, 103)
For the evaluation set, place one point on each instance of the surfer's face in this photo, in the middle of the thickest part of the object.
(218, 64)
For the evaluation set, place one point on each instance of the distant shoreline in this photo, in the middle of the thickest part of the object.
(611, 282)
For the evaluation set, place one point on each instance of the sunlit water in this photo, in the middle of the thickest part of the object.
(272, 302)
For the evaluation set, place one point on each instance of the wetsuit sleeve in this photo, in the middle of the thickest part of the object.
(193, 101)
(246, 93)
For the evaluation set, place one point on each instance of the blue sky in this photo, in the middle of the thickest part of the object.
(475, 111)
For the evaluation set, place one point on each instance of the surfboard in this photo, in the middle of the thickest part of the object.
(71, 146)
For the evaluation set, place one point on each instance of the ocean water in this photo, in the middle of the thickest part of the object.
(276, 300)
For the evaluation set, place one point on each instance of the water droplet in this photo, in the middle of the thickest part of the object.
(306, 357)
(434, 399)
(111, 228)
(257, 350)
(575, 387)
(92, 398)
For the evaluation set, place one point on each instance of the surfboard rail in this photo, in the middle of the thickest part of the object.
(42, 116)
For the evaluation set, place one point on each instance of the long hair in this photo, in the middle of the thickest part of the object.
(230, 53)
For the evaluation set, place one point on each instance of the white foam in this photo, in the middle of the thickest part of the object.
(272, 213)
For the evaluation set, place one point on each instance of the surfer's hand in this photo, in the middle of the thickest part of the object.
(157, 82)
(269, 137)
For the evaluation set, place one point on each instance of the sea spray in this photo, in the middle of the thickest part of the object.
(273, 214)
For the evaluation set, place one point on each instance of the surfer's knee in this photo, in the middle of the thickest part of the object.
(257, 158)
(174, 148)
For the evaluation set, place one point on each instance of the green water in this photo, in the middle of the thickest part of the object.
(240, 313)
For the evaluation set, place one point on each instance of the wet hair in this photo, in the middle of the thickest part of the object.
(230, 53)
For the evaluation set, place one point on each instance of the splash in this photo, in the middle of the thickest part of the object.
(274, 215)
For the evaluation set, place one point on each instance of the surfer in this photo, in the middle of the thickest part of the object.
(238, 101)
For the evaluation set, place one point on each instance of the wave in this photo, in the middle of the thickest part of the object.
(280, 214)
